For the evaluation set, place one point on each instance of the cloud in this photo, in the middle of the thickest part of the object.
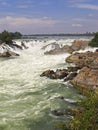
(24, 23)
(86, 6)
(77, 25)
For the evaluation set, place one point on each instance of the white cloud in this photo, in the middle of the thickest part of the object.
(26, 24)
(25, 21)
(86, 6)
(77, 25)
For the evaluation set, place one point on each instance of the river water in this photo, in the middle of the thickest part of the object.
(26, 99)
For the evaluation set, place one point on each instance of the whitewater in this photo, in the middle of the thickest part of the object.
(26, 99)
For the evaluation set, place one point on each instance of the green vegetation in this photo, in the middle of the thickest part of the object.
(86, 116)
(94, 41)
(87, 119)
(7, 37)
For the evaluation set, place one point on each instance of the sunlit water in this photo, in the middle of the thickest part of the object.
(26, 99)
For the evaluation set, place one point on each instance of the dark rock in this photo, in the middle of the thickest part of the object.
(72, 69)
(70, 76)
(13, 45)
(61, 97)
(47, 73)
(59, 74)
(22, 44)
(57, 113)
(96, 50)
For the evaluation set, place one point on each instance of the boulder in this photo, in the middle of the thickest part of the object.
(59, 74)
(48, 73)
(87, 78)
(79, 45)
(83, 59)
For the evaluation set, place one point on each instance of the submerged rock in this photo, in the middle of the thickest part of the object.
(57, 112)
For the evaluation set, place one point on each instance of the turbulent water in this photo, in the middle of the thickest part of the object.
(26, 99)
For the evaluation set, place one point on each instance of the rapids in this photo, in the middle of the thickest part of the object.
(26, 99)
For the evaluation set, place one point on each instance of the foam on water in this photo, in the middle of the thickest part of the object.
(26, 99)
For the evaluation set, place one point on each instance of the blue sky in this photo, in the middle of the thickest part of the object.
(49, 16)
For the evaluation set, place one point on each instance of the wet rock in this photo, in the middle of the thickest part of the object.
(76, 46)
(64, 49)
(53, 45)
(48, 73)
(13, 45)
(70, 76)
(23, 45)
(73, 69)
(57, 112)
(60, 74)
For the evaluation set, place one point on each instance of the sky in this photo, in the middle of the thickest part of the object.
(49, 16)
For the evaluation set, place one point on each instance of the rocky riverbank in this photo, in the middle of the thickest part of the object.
(85, 73)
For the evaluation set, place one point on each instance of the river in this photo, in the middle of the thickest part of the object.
(26, 99)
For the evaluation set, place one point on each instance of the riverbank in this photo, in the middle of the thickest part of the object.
(84, 76)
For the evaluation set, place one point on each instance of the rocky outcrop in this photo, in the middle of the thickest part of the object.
(66, 74)
(64, 49)
(59, 74)
(70, 76)
(76, 46)
(84, 59)
(7, 51)
(79, 45)
(53, 45)
(87, 78)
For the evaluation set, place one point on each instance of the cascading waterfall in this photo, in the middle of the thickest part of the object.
(26, 99)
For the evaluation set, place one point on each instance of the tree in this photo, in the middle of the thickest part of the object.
(7, 37)
(94, 41)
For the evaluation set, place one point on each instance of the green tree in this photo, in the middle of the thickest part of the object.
(94, 41)
(6, 37)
